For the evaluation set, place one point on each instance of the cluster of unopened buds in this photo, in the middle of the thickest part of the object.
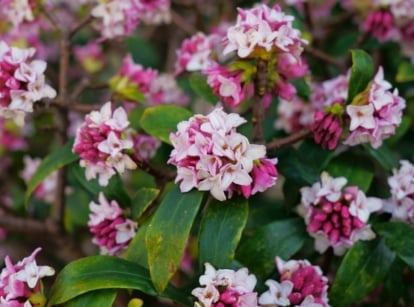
(300, 284)
(20, 283)
(211, 156)
(112, 231)
(373, 115)
(135, 83)
(22, 82)
(401, 203)
(337, 216)
(103, 144)
(225, 287)
(120, 17)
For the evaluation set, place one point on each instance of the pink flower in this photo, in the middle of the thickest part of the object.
(102, 144)
(226, 287)
(165, 90)
(381, 25)
(112, 231)
(211, 156)
(293, 115)
(90, 56)
(337, 216)
(326, 129)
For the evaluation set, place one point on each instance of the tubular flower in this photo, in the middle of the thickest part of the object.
(211, 156)
(300, 284)
(376, 114)
(102, 144)
(401, 203)
(226, 287)
(20, 283)
(337, 216)
(111, 229)
(22, 82)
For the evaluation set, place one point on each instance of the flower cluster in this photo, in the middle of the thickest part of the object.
(20, 283)
(120, 17)
(373, 114)
(103, 145)
(263, 33)
(301, 284)
(401, 204)
(132, 81)
(45, 190)
(145, 146)
(17, 11)
(211, 156)
(111, 229)
(22, 82)
(337, 216)
(226, 287)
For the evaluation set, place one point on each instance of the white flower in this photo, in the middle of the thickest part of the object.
(277, 294)
(31, 273)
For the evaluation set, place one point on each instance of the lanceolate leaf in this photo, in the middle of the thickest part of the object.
(137, 251)
(399, 237)
(98, 298)
(363, 268)
(160, 121)
(104, 272)
(281, 238)
(361, 74)
(224, 222)
(142, 199)
(51, 163)
(383, 155)
(168, 233)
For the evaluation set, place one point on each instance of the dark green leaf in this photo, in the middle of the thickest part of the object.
(143, 52)
(383, 155)
(198, 83)
(160, 121)
(51, 163)
(358, 170)
(141, 201)
(363, 268)
(361, 74)
(399, 237)
(137, 250)
(168, 233)
(104, 272)
(98, 298)
(281, 238)
(221, 230)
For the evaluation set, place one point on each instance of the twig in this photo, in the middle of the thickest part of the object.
(51, 19)
(181, 23)
(308, 16)
(323, 56)
(289, 140)
(258, 108)
(84, 22)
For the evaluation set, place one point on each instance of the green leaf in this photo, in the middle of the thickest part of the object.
(383, 155)
(104, 272)
(168, 233)
(405, 72)
(51, 163)
(198, 83)
(281, 238)
(137, 250)
(142, 200)
(399, 237)
(98, 298)
(221, 230)
(362, 269)
(143, 51)
(115, 190)
(362, 73)
(160, 121)
(132, 93)
(358, 170)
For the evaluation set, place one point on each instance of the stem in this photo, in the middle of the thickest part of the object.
(324, 56)
(84, 22)
(258, 107)
(289, 140)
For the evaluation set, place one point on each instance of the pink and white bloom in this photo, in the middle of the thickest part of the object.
(17, 11)
(111, 229)
(103, 145)
(336, 216)
(165, 90)
(20, 281)
(401, 203)
(300, 284)
(211, 156)
(22, 82)
(225, 287)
